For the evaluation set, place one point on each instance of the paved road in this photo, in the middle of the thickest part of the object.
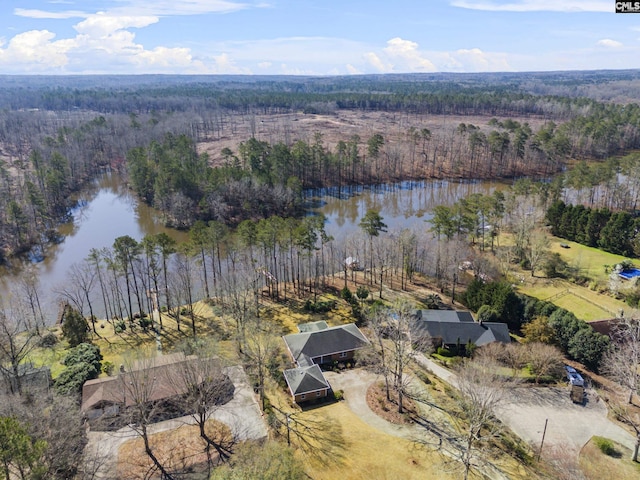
(242, 415)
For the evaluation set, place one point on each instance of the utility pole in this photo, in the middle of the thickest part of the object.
(544, 432)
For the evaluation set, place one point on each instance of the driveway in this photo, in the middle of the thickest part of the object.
(570, 425)
(242, 415)
(355, 384)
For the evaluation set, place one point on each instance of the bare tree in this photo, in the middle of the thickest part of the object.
(54, 422)
(30, 290)
(544, 360)
(238, 298)
(262, 344)
(78, 289)
(482, 390)
(184, 281)
(621, 364)
(205, 385)
(622, 360)
(139, 390)
(314, 436)
(399, 339)
(537, 248)
(17, 341)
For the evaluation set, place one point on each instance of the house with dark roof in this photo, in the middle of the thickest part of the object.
(318, 344)
(306, 383)
(106, 399)
(449, 328)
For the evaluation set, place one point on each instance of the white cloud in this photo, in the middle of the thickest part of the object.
(101, 24)
(401, 55)
(34, 51)
(607, 42)
(537, 5)
(352, 70)
(105, 42)
(264, 64)
(373, 60)
(471, 60)
(411, 59)
(41, 14)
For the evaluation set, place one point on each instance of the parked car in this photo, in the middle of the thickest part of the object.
(575, 379)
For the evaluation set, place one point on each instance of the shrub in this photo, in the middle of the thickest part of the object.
(443, 352)
(82, 363)
(346, 294)
(362, 292)
(48, 340)
(145, 323)
(338, 395)
(75, 327)
(108, 367)
(319, 307)
(487, 314)
(120, 326)
(605, 445)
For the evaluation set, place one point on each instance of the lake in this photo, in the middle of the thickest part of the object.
(109, 210)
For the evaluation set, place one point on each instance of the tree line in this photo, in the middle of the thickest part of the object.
(615, 232)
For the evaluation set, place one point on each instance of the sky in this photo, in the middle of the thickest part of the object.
(319, 37)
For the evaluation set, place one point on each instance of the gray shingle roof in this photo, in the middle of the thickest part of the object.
(445, 316)
(308, 345)
(463, 330)
(305, 380)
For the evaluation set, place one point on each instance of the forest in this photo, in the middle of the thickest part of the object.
(57, 134)
(232, 162)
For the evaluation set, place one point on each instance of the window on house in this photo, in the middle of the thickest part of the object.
(318, 393)
(343, 354)
(303, 396)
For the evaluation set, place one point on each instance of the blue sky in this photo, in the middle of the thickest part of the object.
(321, 37)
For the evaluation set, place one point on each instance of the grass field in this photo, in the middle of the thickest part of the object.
(595, 465)
(588, 260)
(585, 303)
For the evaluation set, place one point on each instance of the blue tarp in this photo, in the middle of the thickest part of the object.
(630, 273)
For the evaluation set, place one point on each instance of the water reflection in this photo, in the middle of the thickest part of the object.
(403, 205)
(109, 210)
(105, 211)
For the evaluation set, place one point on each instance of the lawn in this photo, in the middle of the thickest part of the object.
(367, 453)
(594, 463)
(584, 303)
(589, 261)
